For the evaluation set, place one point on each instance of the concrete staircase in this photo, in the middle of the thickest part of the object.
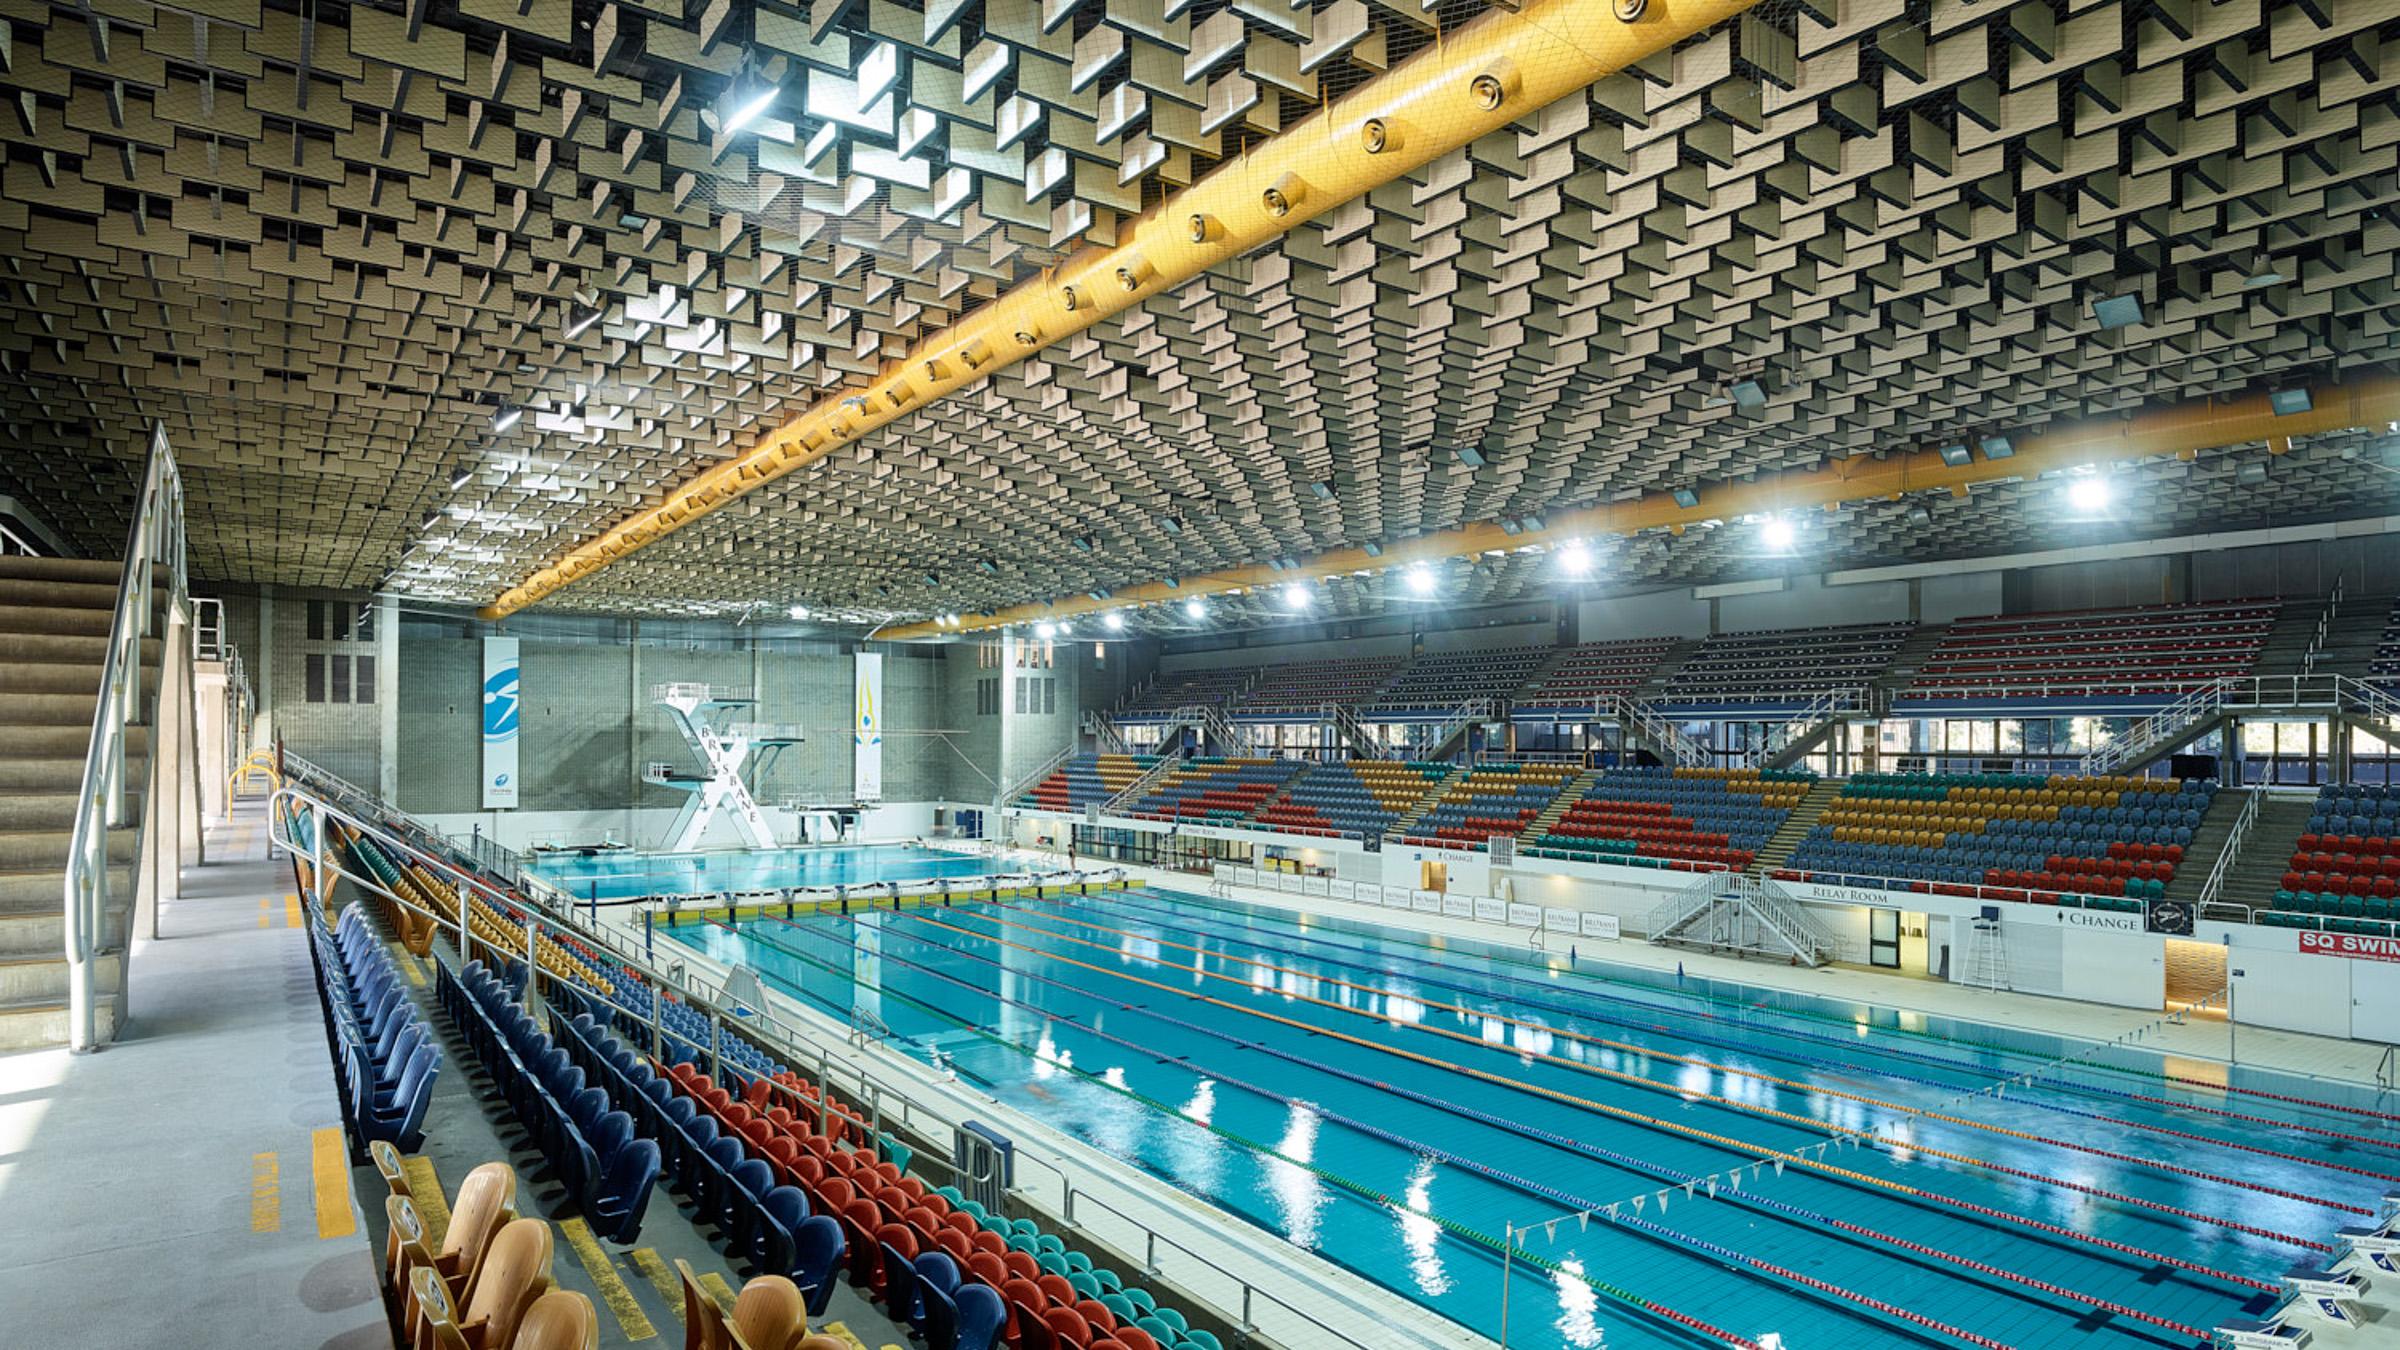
(1662, 676)
(2257, 873)
(2288, 641)
(1559, 805)
(2351, 639)
(1781, 844)
(2208, 841)
(54, 619)
(1911, 658)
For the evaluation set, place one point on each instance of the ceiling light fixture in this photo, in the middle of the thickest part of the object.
(1295, 596)
(2090, 495)
(1045, 630)
(1420, 581)
(749, 95)
(1777, 532)
(1575, 559)
(460, 479)
(798, 611)
(508, 417)
(1114, 621)
(1194, 610)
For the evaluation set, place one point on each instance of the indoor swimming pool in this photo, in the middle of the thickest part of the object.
(1685, 1162)
(625, 874)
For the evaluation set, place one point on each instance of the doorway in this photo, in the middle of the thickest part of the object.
(2196, 976)
(1883, 938)
(1433, 876)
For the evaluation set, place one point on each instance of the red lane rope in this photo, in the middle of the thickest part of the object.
(2130, 1159)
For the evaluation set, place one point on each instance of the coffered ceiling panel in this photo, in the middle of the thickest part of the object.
(424, 294)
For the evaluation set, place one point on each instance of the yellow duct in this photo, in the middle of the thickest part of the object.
(2184, 429)
(1495, 70)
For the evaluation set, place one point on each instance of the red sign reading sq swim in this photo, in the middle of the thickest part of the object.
(2350, 944)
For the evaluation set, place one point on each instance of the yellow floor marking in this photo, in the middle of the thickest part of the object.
(718, 1289)
(291, 911)
(407, 962)
(425, 1192)
(329, 1164)
(840, 1333)
(603, 1271)
(266, 911)
(662, 1278)
(266, 1193)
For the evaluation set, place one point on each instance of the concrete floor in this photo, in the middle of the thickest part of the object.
(191, 1183)
(169, 1187)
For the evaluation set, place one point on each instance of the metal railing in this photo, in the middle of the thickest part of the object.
(1660, 730)
(2325, 616)
(154, 541)
(855, 1072)
(2282, 693)
(1027, 782)
(1356, 736)
(1453, 725)
(1150, 778)
(1822, 710)
(2238, 835)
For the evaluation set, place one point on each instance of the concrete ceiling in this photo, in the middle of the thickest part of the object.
(327, 245)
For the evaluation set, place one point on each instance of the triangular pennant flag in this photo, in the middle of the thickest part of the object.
(1550, 1231)
(1712, 1188)
(1779, 1167)
(1583, 1221)
(1687, 1189)
(1638, 1202)
(1662, 1202)
(1612, 1213)
(1735, 1180)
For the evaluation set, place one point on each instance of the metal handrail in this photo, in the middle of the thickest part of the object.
(2316, 645)
(2234, 839)
(794, 1042)
(155, 537)
(1661, 729)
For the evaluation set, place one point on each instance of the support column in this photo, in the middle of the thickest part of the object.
(633, 733)
(2337, 757)
(266, 733)
(387, 696)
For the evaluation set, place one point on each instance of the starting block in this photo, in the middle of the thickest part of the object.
(2380, 1246)
(2331, 1292)
(2258, 1335)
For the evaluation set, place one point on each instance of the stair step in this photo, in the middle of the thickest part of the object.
(84, 570)
(48, 677)
(45, 774)
(33, 934)
(43, 850)
(86, 650)
(32, 1024)
(64, 621)
(100, 595)
(25, 709)
(24, 811)
(69, 741)
(43, 893)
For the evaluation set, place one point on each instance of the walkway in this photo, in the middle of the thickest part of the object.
(192, 1175)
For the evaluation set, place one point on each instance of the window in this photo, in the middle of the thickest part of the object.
(316, 669)
(1020, 686)
(341, 679)
(362, 685)
(366, 622)
(316, 621)
(341, 622)
(1049, 696)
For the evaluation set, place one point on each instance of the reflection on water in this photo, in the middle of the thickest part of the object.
(1420, 1234)
(1299, 1193)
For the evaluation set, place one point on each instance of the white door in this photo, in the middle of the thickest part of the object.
(2375, 1000)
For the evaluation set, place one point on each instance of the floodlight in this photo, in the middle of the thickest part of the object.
(2090, 495)
(1777, 532)
(1420, 581)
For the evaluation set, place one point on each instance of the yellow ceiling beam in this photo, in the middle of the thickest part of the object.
(2183, 429)
(1501, 67)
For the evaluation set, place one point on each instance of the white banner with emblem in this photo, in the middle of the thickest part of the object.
(498, 707)
(866, 725)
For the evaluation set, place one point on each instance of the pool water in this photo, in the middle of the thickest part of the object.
(625, 874)
(1396, 1102)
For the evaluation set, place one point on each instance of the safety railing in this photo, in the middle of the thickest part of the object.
(1027, 782)
(1150, 778)
(685, 691)
(2213, 886)
(1107, 738)
(154, 542)
(1825, 708)
(2325, 617)
(1657, 728)
(886, 1090)
(1452, 726)
(1357, 737)
(2180, 719)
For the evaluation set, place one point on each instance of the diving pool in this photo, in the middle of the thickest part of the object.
(625, 874)
(1769, 1169)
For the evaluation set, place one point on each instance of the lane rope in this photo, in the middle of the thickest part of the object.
(1796, 1085)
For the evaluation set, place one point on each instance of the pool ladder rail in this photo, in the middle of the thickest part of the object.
(866, 1028)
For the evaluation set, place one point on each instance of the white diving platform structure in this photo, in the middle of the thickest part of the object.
(714, 719)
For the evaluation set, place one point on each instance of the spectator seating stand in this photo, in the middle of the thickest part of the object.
(1498, 800)
(1353, 799)
(1086, 780)
(1215, 791)
(2347, 866)
(2131, 654)
(1689, 819)
(2007, 836)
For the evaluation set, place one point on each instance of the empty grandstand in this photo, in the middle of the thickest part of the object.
(1214, 791)
(1086, 780)
(1486, 802)
(1782, 668)
(1353, 799)
(2079, 657)
(1589, 674)
(1686, 819)
(1436, 683)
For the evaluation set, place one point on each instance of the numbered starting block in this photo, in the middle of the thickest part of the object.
(2380, 1246)
(2331, 1292)
(2248, 1335)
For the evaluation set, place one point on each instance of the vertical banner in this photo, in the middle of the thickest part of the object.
(866, 754)
(500, 696)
